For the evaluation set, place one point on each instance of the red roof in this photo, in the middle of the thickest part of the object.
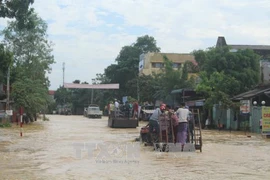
(51, 92)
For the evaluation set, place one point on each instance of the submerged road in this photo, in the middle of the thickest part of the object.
(76, 147)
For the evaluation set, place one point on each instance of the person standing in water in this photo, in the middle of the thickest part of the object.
(182, 114)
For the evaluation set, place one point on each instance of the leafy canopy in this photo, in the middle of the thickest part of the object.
(225, 73)
(32, 57)
(18, 9)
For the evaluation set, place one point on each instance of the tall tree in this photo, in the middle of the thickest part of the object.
(146, 44)
(170, 79)
(63, 96)
(146, 84)
(31, 48)
(18, 9)
(225, 73)
(127, 66)
(5, 62)
(32, 56)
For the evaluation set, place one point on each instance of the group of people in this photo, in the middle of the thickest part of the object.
(130, 109)
(181, 120)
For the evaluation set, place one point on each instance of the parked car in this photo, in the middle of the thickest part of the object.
(93, 111)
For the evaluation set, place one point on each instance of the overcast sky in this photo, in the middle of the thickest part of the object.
(88, 34)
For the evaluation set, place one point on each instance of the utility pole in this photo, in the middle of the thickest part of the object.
(8, 89)
(63, 73)
(92, 93)
(138, 90)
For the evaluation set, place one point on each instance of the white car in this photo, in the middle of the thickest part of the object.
(93, 111)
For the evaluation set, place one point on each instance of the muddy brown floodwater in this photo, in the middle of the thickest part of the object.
(75, 147)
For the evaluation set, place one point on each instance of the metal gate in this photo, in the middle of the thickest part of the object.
(255, 119)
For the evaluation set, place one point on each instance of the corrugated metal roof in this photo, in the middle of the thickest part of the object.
(91, 86)
(181, 90)
(252, 93)
(254, 47)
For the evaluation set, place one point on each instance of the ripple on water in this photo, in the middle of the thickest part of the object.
(46, 151)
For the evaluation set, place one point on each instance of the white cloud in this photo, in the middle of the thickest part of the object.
(88, 37)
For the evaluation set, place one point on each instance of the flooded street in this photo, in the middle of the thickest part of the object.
(62, 149)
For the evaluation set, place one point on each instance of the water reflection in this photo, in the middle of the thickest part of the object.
(46, 151)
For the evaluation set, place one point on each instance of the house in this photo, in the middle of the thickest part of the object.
(153, 62)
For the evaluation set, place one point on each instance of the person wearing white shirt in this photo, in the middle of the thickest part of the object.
(183, 115)
(116, 108)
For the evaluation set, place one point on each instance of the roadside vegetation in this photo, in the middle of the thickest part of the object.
(27, 52)
(222, 74)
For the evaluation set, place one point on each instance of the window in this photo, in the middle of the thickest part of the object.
(157, 65)
(176, 65)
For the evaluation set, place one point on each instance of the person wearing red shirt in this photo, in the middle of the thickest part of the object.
(135, 109)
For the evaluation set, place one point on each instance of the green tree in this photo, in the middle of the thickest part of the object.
(32, 52)
(18, 9)
(30, 94)
(146, 44)
(5, 62)
(127, 67)
(170, 79)
(32, 57)
(146, 88)
(225, 73)
(63, 96)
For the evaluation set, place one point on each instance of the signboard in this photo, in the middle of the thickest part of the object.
(266, 120)
(199, 103)
(245, 107)
(141, 63)
(9, 112)
(190, 103)
(124, 99)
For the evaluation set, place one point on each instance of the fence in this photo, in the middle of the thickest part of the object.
(235, 121)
